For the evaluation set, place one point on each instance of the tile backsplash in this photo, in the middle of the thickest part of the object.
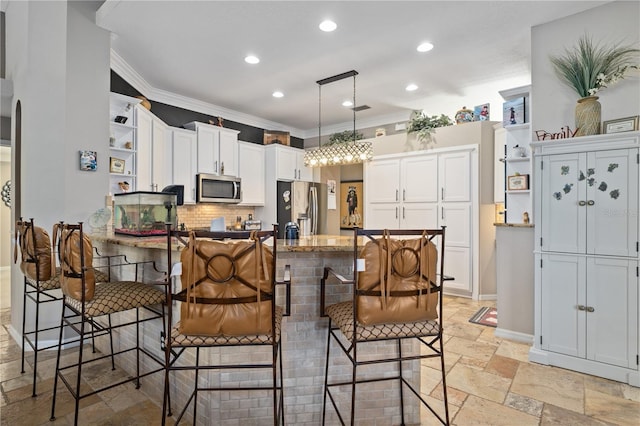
(200, 215)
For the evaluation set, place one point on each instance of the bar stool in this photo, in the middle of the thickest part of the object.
(41, 280)
(397, 296)
(227, 301)
(84, 303)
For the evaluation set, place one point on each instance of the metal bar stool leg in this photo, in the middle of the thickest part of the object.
(195, 388)
(400, 380)
(113, 360)
(326, 376)
(24, 319)
(55, 380)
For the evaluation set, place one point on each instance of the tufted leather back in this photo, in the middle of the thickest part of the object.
(35, 251)
(71, 262)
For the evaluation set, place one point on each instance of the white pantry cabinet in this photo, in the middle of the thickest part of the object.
(217, 149)
(586, 255)
(427, 190)
(122, 142)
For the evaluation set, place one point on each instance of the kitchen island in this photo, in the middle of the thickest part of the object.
(304, 337)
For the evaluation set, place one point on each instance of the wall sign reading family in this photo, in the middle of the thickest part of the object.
(351, 204)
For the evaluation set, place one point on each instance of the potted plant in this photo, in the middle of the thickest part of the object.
(588, 68)
(424, 126)
(344, 137)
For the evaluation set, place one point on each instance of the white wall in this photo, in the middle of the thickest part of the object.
(58, 61)
(553, 102)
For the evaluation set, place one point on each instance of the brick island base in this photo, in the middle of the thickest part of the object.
(304, 340)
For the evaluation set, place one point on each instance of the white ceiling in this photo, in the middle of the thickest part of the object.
(196, 50)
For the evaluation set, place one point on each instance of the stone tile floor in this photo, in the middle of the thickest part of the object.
(490, 382)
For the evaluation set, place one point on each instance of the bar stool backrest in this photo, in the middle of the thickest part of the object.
(76, 255)
(35, 251)
(398, 283)
(227, 287)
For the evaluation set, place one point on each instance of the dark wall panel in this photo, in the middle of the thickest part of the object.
(177, 117)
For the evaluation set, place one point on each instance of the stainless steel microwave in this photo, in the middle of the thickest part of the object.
(217, 189)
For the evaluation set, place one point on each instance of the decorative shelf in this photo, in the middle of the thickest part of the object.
(517, 159)
(519, 191)
(130, 151)
(517, 126)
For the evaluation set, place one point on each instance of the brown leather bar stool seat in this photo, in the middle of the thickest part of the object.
(228, 302)
(397, 298)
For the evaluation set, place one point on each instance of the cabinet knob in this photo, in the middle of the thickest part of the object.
(590, 309)
(590, 202)
(581, 307)
(582, 203)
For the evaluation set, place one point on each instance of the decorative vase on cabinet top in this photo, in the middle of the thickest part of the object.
(464, 115)
(587, 116)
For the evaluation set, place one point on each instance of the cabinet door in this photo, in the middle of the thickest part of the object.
(454, 176)
(419, 180)
(419, 215)
(563, 218)
(144, 143)
(457, 264)
(184, 156)
(228, 161)
(457, 218)
(612, 311)
(251, 160)
(287, 164)
(304, 173)
(612, 202)
(208, 148)
(382, 216)
(161, 172)
(563, 304)
(382, 181)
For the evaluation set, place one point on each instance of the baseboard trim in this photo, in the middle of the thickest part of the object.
(514, 335)
(17, 336)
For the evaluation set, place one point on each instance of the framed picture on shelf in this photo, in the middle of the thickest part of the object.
(88, 161)
(116, 165)
(481, 112)
(628, 124)
(513, 112)
(517, 182)
(351, 211)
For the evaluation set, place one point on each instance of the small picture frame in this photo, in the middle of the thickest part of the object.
(517, 183)
(116, 165)
(88, 161)
(121, 119)
(481, 112)
(513, 112)
(620, 125)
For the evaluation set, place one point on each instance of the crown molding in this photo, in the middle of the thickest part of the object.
(131, 76)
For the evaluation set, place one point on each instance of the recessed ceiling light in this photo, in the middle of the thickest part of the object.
(328, 26)
(425, 47)
(411, 87)
(277, 94)
(251, 59)
(347, 103)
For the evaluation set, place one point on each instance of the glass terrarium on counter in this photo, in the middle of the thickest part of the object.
(144, 214)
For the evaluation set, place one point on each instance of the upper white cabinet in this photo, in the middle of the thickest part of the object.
(185, 154)
(122, 142)
(288, 163)
(154, 164)
(252, 173)
(586, 255)
(217, 149)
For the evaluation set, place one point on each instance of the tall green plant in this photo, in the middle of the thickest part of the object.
(424, 126)
(590, 67)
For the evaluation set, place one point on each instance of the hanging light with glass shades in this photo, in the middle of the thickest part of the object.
(349, 151)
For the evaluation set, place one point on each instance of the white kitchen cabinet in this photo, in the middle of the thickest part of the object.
(252, 173)
(289, 163)
(586, 255)
(217, 149)
(426, 190)
(184, 155)
(122, 142)
(154, 166)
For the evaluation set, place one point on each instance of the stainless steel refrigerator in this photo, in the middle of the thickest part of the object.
(302, 198)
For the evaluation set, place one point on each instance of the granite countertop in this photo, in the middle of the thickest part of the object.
(514, 225)
(315, 243)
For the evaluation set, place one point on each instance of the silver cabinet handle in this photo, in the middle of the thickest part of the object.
(582, 203)
(215, 166)
(404, 194)
(590, 309)
(222, 167)
(396, 212)
(590, 202)
(581, 307)
(396, 195)
(403, 212)
(442, 212)
(442, 193)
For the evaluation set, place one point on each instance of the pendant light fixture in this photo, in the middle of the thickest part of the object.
(338, 153)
